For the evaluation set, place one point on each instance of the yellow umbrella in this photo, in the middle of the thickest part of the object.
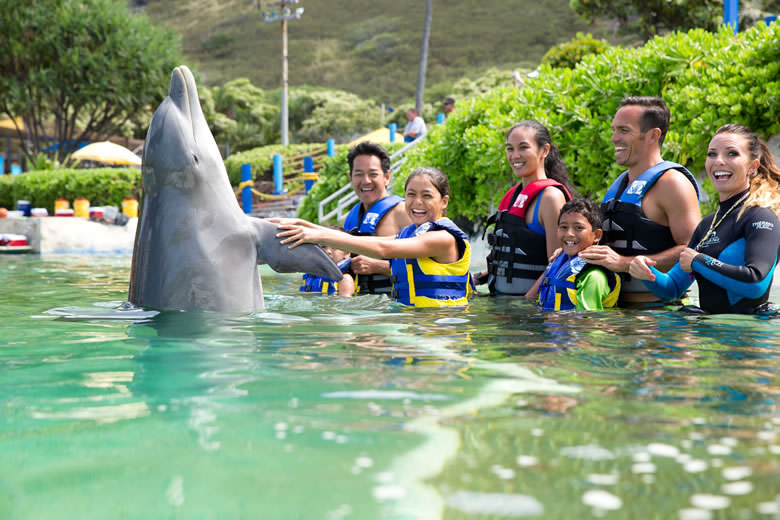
(108, 153)
(379, 136)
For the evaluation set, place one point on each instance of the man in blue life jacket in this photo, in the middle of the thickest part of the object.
(653, 207)
(378, 214)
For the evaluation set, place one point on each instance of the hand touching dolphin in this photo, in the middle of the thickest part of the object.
(194, 247)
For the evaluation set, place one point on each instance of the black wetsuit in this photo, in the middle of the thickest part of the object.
(735, 264)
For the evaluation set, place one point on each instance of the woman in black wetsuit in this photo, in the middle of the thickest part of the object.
(733, 253)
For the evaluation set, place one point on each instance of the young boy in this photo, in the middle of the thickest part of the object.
(569, 282)
(318, 284)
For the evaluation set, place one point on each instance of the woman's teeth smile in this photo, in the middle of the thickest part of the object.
(721, 175)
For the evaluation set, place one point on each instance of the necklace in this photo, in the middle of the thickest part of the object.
(716, 222)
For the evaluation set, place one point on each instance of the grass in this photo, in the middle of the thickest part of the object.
(369, 48)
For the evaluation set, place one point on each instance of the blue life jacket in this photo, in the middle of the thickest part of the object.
(357, 224)
(423, 282)
(319, 284)
(558, 290)
(627, 229)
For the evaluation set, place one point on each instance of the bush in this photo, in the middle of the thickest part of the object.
(707, 79)
(569, 54)
(101, 186)
(262, 159)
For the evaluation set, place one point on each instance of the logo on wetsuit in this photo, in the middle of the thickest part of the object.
(711, 241)
(763, 224)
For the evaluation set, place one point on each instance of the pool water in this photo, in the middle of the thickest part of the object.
(358, 408)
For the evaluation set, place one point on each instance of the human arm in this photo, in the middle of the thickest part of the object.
(550, 203)
(366, 265)
(439, 245)
(745, 267)
(668, 286)
(346, 286)
(533, 293)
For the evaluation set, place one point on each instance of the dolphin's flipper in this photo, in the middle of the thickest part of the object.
(307, 258)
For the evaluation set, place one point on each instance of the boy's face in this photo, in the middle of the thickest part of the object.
(575, 233)
(335, 254)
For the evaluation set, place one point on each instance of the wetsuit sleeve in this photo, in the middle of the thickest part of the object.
(671, 285)
(752, 276)
(592, 288)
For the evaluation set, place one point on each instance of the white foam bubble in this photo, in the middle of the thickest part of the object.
(695, 466)
(662, 450)
(641, 456)
(602, 499)
(694, 514)
(389, 492)
(450, 321)
(364, 462)
(603, 479)
(498, 504)
(705, 501)
(175, 491)
(741, 487)
(383, 394)
(587, 452)
(502, 472)
(525, 461)
(736, 472)
(769, 508)
(643, 467)
(718, 449)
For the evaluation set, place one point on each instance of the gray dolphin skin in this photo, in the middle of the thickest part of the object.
(194, 247)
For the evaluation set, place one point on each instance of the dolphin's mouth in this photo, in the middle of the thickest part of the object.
(180, 92)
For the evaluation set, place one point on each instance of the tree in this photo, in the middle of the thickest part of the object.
(424, 56)
(651, 17)
(77, 70)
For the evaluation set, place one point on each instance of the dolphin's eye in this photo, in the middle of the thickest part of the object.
(194, 156)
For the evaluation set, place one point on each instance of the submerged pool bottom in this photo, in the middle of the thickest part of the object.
(359, 408)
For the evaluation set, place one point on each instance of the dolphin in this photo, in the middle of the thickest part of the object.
(194, 247)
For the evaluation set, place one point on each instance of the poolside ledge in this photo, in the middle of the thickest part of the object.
(72, 235)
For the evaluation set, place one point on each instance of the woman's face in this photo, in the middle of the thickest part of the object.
(729, 165)
(424, 203)
(524, 156)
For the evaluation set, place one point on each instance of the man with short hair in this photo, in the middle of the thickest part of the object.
(377, 213)
(415, 128)
(653, 207)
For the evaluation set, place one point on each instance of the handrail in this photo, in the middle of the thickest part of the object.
(347, 200)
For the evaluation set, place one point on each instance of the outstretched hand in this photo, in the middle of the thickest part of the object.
(297, 234)
(640, 268)
(605, 256)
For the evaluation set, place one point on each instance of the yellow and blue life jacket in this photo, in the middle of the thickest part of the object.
(321, 285)
(558, 290)
(423, 282)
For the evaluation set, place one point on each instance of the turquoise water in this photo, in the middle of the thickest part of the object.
(357, 408)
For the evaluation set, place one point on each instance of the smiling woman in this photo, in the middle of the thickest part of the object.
(732, 255)
(429, 258)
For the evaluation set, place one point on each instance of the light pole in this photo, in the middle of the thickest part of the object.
(731, 14)
(284, 13)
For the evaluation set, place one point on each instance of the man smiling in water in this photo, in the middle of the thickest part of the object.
(377, 214)
(653, 207)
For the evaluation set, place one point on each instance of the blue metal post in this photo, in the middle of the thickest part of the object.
(393, 128)
(440, 118)
(331, 147)
(309, 177)
(2, 165)
(731, 14)
(246, 188)
(278, 175)
(16, 169)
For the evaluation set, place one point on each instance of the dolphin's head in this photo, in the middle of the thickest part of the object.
(179, 148)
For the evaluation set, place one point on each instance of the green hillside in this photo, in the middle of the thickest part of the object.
(369, 48)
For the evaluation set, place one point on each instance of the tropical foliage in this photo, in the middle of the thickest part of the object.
(87, 66)
(707, 79)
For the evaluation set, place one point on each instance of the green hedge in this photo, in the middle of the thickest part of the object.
(707, 79)
(262, 158)
(101, 186)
